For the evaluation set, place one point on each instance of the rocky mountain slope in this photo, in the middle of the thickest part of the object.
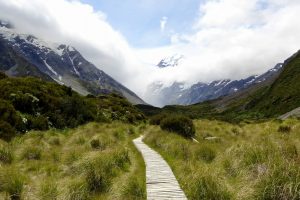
(26, 55)
(179, 94)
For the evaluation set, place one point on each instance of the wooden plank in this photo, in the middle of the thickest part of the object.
(160, 181)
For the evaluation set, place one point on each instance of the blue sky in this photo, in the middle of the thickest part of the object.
(139, 20)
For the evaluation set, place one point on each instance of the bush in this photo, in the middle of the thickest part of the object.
(32, 153)
(6, 155)
(9, 115)
(206, 154)
(284, 129)
(38, 123)
(7, 132)
(156, 119)
(2, 75)
(179, 124)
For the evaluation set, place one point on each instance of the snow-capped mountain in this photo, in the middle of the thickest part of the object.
(178, 93)
(26, 55)
(171, 61)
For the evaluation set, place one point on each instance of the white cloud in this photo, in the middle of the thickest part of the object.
(163, 23)
(79, 25)
(231, 39)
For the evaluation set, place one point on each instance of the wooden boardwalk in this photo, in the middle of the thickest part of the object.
(160, 181)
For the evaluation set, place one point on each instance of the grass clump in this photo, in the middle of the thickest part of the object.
(284, 129)
(6, 155)
(32, 153)
(100, 171)
(48, 191)
(77, 190)
(12, 183)
(180, 125)
(205, 187)
(134, 190)
(206, 154)
(281, 183)
(97, 144)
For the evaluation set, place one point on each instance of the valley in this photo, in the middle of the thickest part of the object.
(89, 110)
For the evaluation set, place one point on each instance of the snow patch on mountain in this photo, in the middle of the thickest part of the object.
(171, 61)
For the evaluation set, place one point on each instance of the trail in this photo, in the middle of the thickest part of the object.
(160, 181)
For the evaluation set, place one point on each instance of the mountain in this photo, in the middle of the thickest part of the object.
(171, 61)
(25, 55)
(179, 94)
(275, 96)
(284, 94)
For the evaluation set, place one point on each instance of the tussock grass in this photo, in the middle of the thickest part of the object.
(234, 161)
(48, 190)
(31, 153)
(6, 154)
(65, 165)
(12, 183)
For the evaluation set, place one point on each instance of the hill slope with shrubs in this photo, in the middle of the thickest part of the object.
(32, 104)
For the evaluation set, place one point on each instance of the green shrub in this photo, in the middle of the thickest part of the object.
(32, 153)
(7, 132)
(38, 123)
(2, 75)
(205, 153)
(9, 115)
(156, 119)
(205, 187)
(179, 124)
(284, 129)
(6, 155)
(26, 103)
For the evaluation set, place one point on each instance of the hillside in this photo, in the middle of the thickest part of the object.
(33, 104)
(272, 98)
(25, 55)
(284, 94)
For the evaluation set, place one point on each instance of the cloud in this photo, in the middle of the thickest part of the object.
(232, 39)
(229, 39)
(163, 23)
(77, 24)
